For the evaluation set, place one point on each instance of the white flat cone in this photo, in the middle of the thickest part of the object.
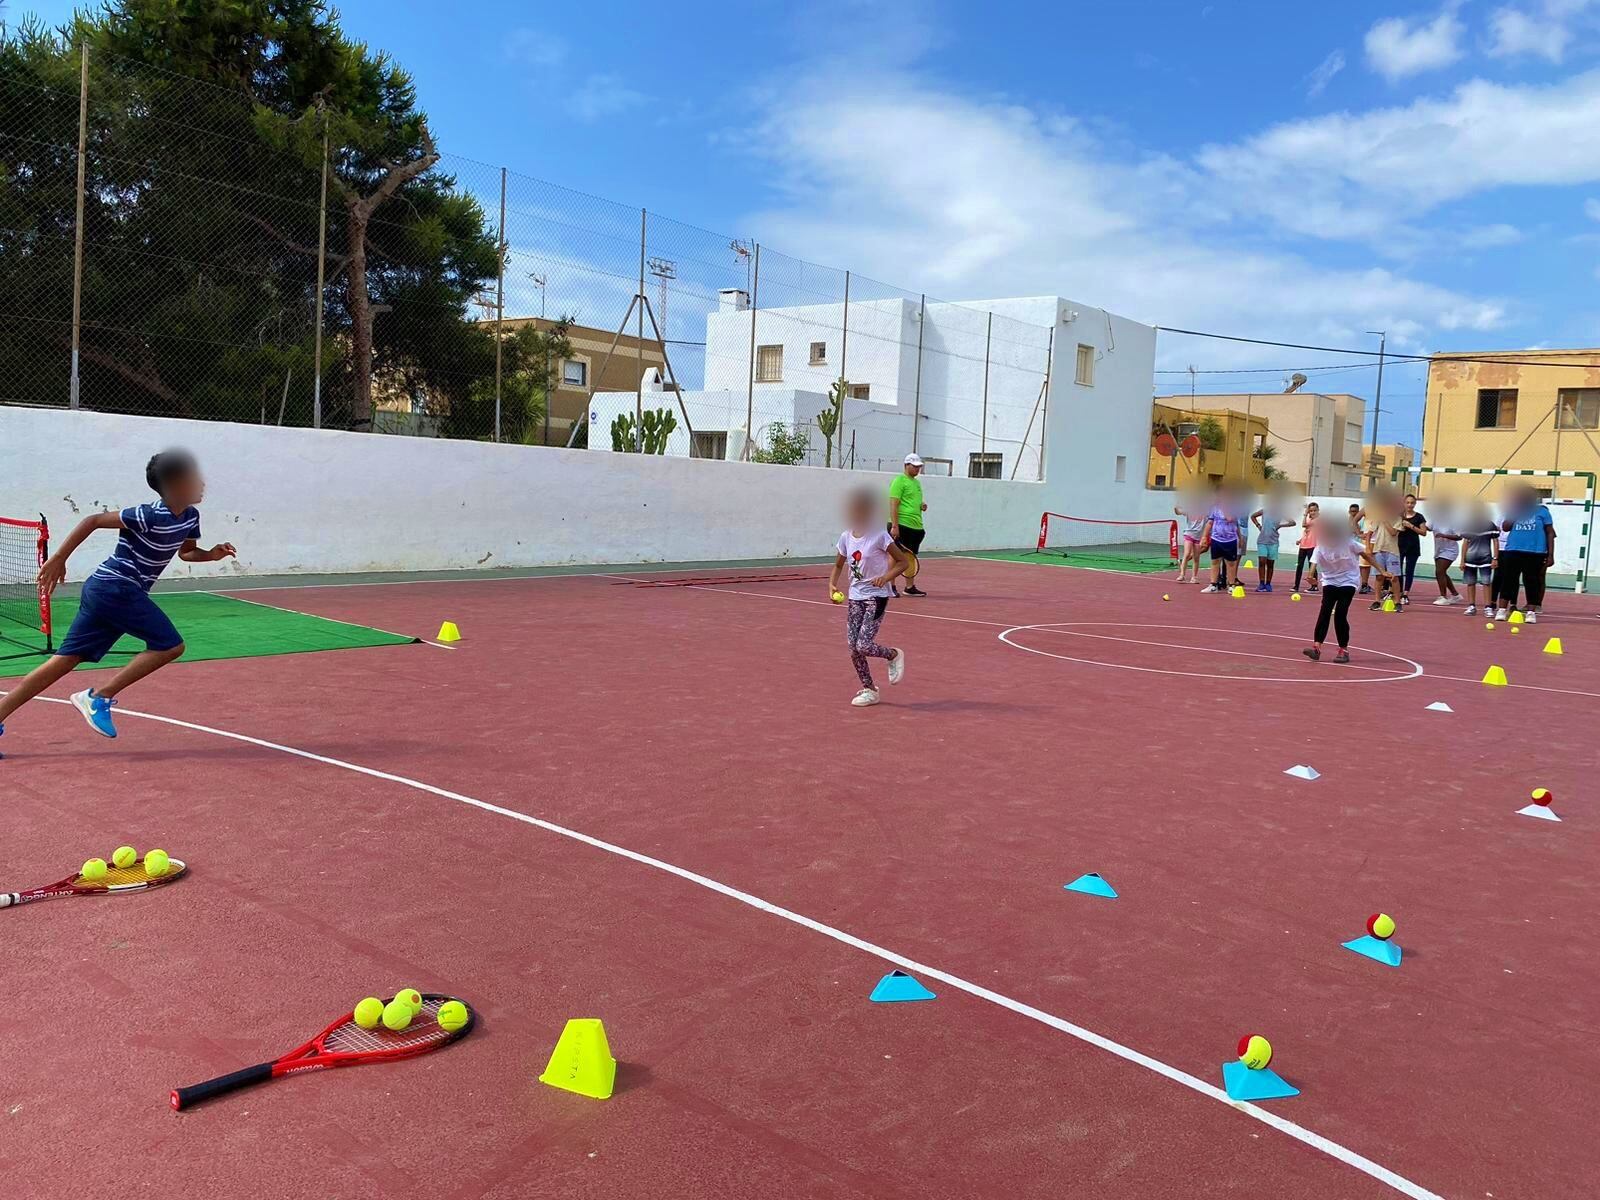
(1440, 706)
(1542, 811)
(1301, 772)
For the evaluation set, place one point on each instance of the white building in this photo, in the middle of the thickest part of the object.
(963, 385)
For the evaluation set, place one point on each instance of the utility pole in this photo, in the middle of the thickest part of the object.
(322, 263)
(1377, 403)
(74, 395)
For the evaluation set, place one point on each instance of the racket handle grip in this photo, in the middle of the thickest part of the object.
(187, 1097)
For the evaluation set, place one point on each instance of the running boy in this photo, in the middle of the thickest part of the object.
(1337, 556)
(116, 598)
(874, 561)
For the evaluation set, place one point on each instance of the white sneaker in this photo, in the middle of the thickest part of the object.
(1212, 589)
(1470, 610)
(1444, 600)
(865, 698)
(1501, 615)
(897, 666)
(1530, 617)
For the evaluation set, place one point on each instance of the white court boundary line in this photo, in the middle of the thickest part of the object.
(1060, 627)
(1299, 1133)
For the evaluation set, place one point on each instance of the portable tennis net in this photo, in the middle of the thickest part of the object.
(24, 608)
(1140, 547)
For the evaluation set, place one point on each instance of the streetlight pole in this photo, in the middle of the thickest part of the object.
(1377, 403)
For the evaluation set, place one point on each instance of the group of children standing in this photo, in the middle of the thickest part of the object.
(1338, 556)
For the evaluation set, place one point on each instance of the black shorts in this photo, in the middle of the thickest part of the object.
(910, 539)
(1224, 551)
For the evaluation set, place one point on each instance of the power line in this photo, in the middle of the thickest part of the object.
(1443, 355)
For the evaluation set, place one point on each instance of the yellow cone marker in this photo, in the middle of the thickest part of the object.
(1248, 564)
(1389, 606)
(448, 632)
(582, 1060)
(1553, 646)
(1515, 618)
(1495, 677)
(1238, 592)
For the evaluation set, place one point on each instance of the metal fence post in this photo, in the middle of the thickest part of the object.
(844, 358)
(916, 402)
(750, 393)
(322, 263)
(638, 349)
(983, 425)
(500, 306)
(1044, 424)
(77, 234)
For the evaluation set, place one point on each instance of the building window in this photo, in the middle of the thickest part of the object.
(1241, 441)
(860, 391)
(1161, 481)
(709, 444)
(1122, 468)
(983, 466)
(1086, 365)
(769, 364)
(574, 373)
(1578, 408)
(1497, 408)
(819, 354)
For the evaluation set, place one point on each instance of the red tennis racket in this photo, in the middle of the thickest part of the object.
(342, 1044)
(117, 881)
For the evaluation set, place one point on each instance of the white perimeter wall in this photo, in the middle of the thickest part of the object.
(310, 500)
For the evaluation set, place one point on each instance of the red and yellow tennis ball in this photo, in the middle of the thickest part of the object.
(369, 1012)
(397, 1014)
(1381, 926)
(1542, 796)
(412, 997)
(94, 870)
(156, 863)
(1255, 1051)
(452, 1015)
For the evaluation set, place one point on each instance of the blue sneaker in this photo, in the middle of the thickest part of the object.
(2, 734)
(96, 710)
(1266, 587)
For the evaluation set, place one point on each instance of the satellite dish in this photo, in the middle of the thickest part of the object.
(1296, 382)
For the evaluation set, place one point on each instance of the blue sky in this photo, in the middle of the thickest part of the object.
(1294, 171)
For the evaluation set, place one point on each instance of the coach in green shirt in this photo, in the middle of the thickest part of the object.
(905, 513)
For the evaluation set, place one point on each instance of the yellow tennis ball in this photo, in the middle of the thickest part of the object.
(452, 1015)
(1295, 596)
(412, 997)
(1381, 926)
(94, 870)
(397, 1014)
(1255, 1051)
(156, 863)
(369, 1012)
(1488, 625)
(124, 856)
(838, 597)
(1164, 596)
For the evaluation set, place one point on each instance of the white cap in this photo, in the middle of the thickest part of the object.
(913, 460)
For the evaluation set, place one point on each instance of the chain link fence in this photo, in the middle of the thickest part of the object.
(172, 247)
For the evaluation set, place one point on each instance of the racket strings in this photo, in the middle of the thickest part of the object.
(424, 1030)
(134, 876)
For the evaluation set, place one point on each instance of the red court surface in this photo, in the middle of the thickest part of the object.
(755, 854)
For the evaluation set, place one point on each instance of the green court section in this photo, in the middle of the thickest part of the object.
(216, 626)
(1136, 558)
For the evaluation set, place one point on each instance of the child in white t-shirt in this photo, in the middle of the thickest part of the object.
(874, 562)
(1339, 557)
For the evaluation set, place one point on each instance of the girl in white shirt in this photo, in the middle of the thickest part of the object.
(1339, 558)
(874, 562)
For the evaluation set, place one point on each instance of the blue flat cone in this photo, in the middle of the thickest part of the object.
(1377, 949)
(1091, 885)
(1244, 1084)
(897, 986)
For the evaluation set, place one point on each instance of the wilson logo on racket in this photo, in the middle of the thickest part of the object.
(117, 881)
(342, 1044)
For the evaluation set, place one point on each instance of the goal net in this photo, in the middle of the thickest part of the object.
(24, 609)
(1141, 547)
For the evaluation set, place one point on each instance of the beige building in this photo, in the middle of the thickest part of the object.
(1538, 412)
(1234, 461)
(573, 375)
(1316, 436)
(1386, 459)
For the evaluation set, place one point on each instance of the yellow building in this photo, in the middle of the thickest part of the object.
(1382, 462)
(1539, 411)
(1233, 458)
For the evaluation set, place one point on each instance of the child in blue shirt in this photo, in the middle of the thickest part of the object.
(1221, 534)
(1527, 551)
(116, 598)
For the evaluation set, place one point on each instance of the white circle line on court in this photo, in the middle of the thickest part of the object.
(1063, 628)
(1299, 1133)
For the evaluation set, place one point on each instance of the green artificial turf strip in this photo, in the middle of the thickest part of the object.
(214, 626)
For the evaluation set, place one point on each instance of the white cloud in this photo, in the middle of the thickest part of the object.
(1323, 74)
(603, 95)
(1544, 30)
(1359, 176)
(1487, 237)
(536, 48)
(1018, 203)
(1398, 47)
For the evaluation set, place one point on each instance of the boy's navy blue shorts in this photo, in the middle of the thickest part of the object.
(109, 608)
